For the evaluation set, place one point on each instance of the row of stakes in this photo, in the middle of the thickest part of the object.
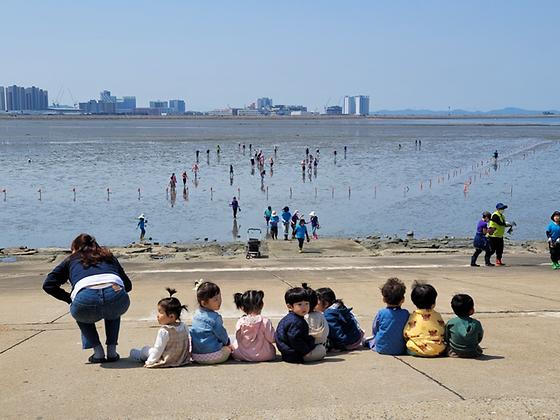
(406, 189)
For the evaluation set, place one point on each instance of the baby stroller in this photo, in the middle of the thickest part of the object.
(254, 236)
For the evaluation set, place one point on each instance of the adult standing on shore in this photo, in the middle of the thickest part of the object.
(99, 291)
(286, 219)
(142, 222)
(553, 235)
(480, 241)
(497, 231)
(274, 219)
(235, 207)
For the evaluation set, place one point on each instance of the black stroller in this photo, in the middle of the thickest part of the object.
(254, 236)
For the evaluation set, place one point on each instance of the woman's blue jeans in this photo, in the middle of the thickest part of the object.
(92, 305)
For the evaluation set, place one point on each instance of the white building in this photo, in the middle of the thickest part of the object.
(356, 105)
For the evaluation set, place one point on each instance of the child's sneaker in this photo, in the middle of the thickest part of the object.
(499, 262)
(556, 266)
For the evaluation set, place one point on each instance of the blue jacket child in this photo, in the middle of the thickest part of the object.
(344, 331)
(389, 323)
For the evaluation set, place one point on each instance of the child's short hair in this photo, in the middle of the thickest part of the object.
(393, 291)
(296, 294)
(313, 299)
(423, 295)
(327, 297)
(205, 290)
(462, 305)
(171, 305)
(250, 301)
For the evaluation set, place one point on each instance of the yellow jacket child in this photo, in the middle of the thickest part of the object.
(425, 330)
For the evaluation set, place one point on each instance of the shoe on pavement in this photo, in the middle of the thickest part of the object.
(499, 262)
(490, 265)
(474, 265)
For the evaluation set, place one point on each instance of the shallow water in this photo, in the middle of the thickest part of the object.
(386, 195)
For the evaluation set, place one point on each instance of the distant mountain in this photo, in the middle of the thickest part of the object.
(462, 112)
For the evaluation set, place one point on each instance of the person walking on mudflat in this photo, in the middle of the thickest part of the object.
(99, 291)
(553, 235)
(498, 226)
(235, 207)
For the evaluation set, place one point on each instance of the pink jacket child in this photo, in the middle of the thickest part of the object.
(254, 335)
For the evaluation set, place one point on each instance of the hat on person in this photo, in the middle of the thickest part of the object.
(141, 216)
(274, 212)
(501, 206)
(556, 213)
(312, 214)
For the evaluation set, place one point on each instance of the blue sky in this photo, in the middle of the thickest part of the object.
(404, 54)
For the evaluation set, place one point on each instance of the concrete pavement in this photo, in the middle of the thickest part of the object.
(45, 373)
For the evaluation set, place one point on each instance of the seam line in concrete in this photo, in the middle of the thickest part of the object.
(431, 378)
(22, 341)
(281, 279)
(58, 317)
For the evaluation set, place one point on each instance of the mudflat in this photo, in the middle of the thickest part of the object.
(45, 373)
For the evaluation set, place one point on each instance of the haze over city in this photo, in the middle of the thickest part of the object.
(434, 55)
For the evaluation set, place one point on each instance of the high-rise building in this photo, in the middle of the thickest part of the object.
(362, 105)
(264, 104)
(177, 106)
(349, 107)
(356, 105)
(15, 98)
(2, 99)
(35, 99)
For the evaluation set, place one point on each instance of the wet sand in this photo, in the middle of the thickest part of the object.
(45, 373)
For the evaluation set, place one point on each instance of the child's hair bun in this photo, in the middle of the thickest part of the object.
(170, 291)
(304, 285)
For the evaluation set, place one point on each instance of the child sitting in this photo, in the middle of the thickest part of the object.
(210, 341)
(344, 330)
(171, 347)
(318, 328)
(389, 322)
(463, 333)
(425, 329)
(292, 333)
(254, 334)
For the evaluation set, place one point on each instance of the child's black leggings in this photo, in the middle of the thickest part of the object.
(300, 242)
(555, 254)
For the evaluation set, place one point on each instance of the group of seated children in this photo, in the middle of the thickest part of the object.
(317, 322)
(423, 332)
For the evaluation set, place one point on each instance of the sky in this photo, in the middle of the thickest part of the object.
(431, 54)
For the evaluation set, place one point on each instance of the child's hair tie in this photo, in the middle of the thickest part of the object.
(197, 284)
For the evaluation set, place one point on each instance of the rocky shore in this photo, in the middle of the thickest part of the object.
(375, 245)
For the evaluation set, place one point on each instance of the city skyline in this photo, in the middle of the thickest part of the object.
(474, 55)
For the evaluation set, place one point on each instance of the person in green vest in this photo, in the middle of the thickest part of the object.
(496, 231)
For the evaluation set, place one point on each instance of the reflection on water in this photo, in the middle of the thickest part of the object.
(97, 176)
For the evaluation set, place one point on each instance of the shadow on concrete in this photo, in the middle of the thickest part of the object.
(486, 357)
